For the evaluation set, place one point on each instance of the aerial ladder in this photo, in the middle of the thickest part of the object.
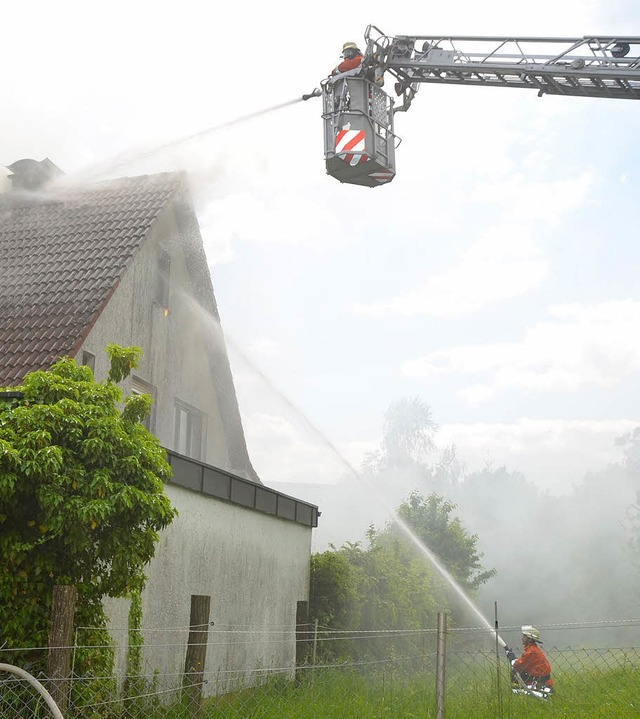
(358, 114)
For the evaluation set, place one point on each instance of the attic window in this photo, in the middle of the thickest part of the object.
(163, 279)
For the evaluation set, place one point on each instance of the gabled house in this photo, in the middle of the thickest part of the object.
(123, 262)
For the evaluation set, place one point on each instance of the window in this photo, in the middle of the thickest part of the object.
(188, 430)
(89, 360)
(139, 386)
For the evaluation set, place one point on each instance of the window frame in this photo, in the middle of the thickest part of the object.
(194, 429)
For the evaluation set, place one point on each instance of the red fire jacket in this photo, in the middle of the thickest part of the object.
(534, 663)
(350, 64)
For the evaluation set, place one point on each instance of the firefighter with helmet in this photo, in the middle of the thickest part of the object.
(533, 666)
(352, 58)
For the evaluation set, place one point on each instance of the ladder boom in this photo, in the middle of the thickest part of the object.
(590, 66)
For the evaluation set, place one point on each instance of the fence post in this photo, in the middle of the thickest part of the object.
(498, 687)
(441, 663)
(63, 609)
(302, 637)
(315, 642)
(195, 660)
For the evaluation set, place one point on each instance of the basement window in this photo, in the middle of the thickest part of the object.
(188, 430)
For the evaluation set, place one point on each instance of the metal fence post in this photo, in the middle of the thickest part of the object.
(441, 663)
(498, 687)
(302, 637)
(315, 649)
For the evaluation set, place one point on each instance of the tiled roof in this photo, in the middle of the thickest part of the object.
(62, 253)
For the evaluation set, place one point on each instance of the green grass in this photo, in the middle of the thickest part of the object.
(588, 686)
(348, 694)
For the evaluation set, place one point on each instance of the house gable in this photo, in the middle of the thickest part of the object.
(64, 251)
(123, 262)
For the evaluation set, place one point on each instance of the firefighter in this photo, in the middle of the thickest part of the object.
(352, 58)
(533, 666)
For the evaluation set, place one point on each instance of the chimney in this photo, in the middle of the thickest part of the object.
(32, 175)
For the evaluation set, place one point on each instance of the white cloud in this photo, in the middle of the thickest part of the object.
(503, 263)
(536, 200)
(580, 346)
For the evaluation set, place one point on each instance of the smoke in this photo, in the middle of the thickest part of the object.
(566, 563)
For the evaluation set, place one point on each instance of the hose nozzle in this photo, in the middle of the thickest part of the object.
(316, 93)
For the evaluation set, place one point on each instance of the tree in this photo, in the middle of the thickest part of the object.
(630, 444)
(431, 521)
(448, 471)
(407, 436)
(81, 494)
(408, 430)
(333, 594)
(388, 584)
(356, 590)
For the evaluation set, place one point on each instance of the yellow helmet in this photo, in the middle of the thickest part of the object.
(531, 633)
(349, 46)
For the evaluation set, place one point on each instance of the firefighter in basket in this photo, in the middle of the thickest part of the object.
(352, 58)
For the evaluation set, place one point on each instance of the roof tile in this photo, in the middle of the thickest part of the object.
(62, 255)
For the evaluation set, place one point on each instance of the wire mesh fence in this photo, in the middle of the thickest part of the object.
(337, 674)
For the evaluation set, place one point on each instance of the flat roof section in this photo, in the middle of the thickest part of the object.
(215, 482)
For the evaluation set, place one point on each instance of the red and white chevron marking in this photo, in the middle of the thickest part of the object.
(350, 146)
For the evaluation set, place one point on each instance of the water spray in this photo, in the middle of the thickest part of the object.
(214, 322)
(133, 157)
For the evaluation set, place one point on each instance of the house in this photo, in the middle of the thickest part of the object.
(123, 262)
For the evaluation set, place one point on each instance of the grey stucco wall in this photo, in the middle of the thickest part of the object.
(176, 347)
(254, 567)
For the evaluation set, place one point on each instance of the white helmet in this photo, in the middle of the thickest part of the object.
(531, 633)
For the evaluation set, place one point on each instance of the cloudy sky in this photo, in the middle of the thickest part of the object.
(495, 278)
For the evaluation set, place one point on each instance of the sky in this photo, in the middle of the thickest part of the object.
(495, 277)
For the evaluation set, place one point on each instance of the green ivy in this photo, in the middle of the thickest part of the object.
(134, 656)
(81, 495)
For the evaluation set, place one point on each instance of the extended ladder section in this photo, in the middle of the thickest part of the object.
(585, 67)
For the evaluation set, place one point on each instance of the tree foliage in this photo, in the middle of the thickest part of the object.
(407, 436)
(388, 583)
(431, 521)
(408, 430)
(81, 494)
